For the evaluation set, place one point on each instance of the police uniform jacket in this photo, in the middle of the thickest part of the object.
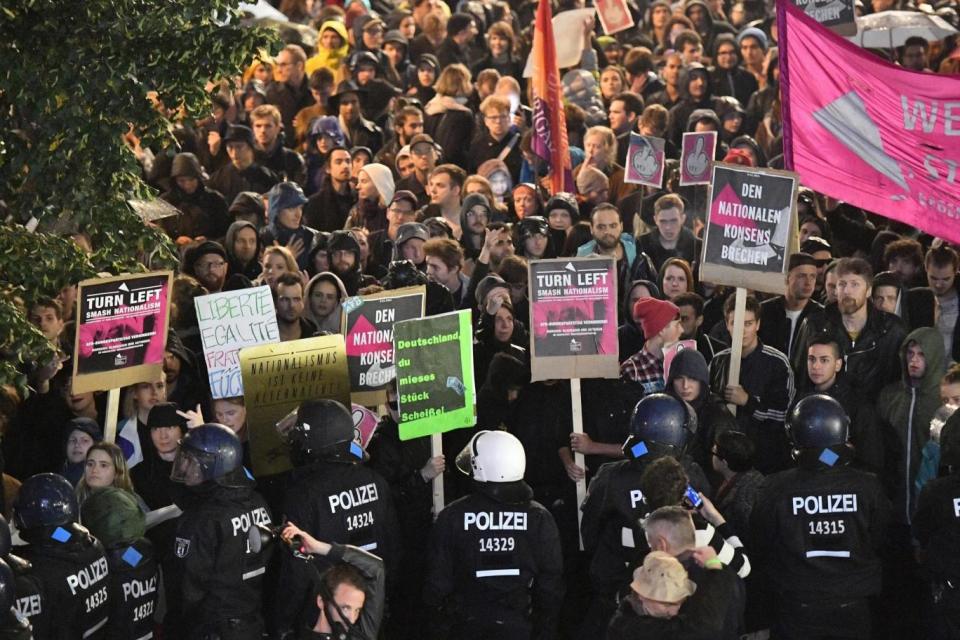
(816, 531)
(211, 575)
(936, 525)
(133, 590)
(334, 502)
(611, 513)
(493, 560)
(73, 573)
(29, 603)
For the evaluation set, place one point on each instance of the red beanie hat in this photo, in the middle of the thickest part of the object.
(739, 156)
(653, 315)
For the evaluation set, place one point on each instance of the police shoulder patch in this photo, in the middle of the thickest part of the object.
(182, 547)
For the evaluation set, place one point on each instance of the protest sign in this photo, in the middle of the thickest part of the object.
(837, 15)
(121, 330)
(364, 424)
(367, 326)
(435, 383)
(573, 306)
(276, 379)
(645, 161)
(614, 16)
(866, 132)
(230, 321)
(751, 227)
(669, 353)
(696, 157)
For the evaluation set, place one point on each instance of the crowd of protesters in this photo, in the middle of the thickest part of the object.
(396, 151)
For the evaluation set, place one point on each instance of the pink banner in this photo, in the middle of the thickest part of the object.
(867, 132)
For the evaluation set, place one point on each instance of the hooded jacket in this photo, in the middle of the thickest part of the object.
(736, 82)
(330, 323)
(274, 232)
(472, 249)
(905, 409)
(354, 279)
(250, 269)
(712, 28)
(713, 417)
(203, 212)
(680, 113)
(329, 58)
(630, 338)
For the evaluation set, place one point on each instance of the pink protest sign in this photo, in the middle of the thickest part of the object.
(696, 157)
(645, 161)
(866, 132)
(364, 424)
(121, 330)
(614, 16)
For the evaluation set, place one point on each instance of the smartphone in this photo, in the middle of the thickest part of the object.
(691, 498)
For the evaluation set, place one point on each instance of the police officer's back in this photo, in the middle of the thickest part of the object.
(614, 505)
(495, 561)
(213, 579)
(331, 496)
(936, 526)
(817, 529)
(29, 592)
(115, 518)
(12, 625)
(67, 560)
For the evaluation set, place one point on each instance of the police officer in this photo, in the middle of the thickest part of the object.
(67, 560)
(29, 596)
(333, 497)
(213, 579)
(12, 625)
(936, 526)
(660, 426)
(495, 561)
(817, 529)
(115, 518)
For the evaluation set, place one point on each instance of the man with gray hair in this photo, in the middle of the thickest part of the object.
(716, 609)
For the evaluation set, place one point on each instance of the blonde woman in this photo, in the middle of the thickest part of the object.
(138, 399)
(106, 467)
(276, 261)
(600, 152)
(448, 119)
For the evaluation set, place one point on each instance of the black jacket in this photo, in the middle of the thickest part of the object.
(229, 181)
(871, 359)
(817, 533)
(335, 502)
(495, 564)
(202, 213)
(484, 147)
(327, 209)
(285, 163)
(688, 248)
(766, 376)
(775, 326)
(736, 82)
(74, 576)
(936, 529)
(611, 520)
(364, 133)
(133, 590)
(211, 576)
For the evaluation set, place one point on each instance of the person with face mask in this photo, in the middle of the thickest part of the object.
(213, 578)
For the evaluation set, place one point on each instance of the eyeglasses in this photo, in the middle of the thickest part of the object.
(211, 266)
(374, 31)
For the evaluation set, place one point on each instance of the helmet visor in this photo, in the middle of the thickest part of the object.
(464, 459)
(191, 467)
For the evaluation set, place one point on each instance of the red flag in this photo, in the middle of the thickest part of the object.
(549, 124)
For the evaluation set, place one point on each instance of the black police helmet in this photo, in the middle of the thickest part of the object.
(216, 449)
(45, 500)
(8, 587)
(660, 424)
(531, 226)
(324, 431)
(818, 422)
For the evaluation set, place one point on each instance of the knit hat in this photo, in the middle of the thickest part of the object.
(739, 156)
(113, 516)
(195, 253)
(754, 32)
(565, 201)
(86, 425)
(662, 578)
(591, 179)
(239, 133)
(164, 414)
(653, 315)
(799, 260)
(410, 231)
(247, 202)
(690, 363)
(382, 178)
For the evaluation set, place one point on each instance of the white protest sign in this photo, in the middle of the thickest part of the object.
(228, 322)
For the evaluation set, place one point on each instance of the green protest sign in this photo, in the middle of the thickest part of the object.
(434, 360)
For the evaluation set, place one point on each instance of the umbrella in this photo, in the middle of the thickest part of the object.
(889, 29)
